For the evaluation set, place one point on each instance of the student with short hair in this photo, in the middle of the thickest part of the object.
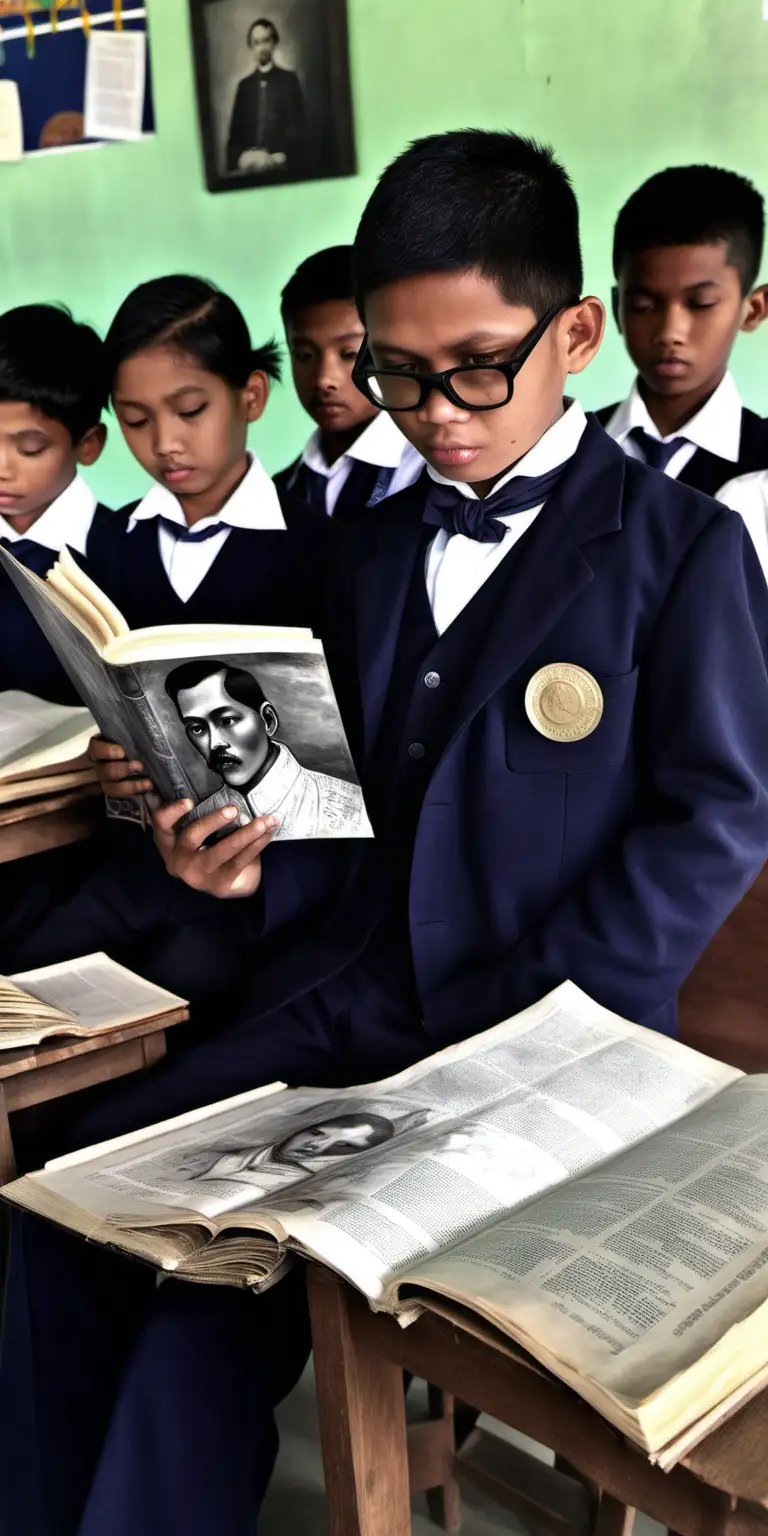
(562, 661)
(213, 541)
(52, 394)
(686, 256)
(357, 455)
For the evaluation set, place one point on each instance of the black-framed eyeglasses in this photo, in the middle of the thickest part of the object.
(474, 387)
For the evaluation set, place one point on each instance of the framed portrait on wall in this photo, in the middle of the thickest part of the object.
(273, 90)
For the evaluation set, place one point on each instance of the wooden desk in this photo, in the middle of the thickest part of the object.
(50, 823)
(38, 1074)
(372, 1464)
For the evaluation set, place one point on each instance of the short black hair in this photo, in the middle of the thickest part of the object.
(493, 202)
(694, 205)
(52, 362)
(240, 685)
(195, 316)
(321, 278)
(263, 21)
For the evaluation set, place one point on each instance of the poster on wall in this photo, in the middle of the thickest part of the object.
(44, 66)
(273, 88)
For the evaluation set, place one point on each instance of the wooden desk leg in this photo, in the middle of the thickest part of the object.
(362, 1421)
(444, 1501)
(613, 1518)
(7, 1159)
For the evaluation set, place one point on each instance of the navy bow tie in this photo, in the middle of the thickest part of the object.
(191, 535)
(447, 508)
(656, 454)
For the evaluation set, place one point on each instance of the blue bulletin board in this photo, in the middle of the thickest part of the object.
(45, 53)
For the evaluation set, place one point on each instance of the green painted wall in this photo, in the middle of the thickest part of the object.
(620, 89)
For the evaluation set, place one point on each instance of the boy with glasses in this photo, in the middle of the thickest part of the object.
(561, 665)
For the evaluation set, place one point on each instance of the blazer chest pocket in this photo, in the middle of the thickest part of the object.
(606, 747)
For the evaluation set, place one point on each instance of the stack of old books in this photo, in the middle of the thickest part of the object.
(43, 757)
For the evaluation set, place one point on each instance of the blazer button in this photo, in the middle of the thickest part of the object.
(432, 680)
(416, 749)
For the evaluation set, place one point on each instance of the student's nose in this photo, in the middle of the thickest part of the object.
(168, 437)
(5, 463)
(330, 374)
(439, 410)
(673, 325)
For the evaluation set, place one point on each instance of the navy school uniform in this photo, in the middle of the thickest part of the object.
(26, 659)
(379, 463)
(505, 862)
(723, 439)
(260, 560)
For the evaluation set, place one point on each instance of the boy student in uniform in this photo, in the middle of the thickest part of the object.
(686, 256)
(357, 455)
(52, 394)
(562, 665)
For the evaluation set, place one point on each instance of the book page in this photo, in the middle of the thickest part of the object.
(97, 992)
(162, 642)
(376, 1178)
(37, 734)
(635, 1270)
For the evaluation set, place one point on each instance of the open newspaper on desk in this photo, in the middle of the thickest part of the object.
(595, 1190)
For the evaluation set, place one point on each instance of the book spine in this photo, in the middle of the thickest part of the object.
(156, 752)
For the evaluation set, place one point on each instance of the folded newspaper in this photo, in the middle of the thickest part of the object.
(596, 1191)
(218, 714)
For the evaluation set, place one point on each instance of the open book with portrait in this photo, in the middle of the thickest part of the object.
(218, 714)
(597, 1192)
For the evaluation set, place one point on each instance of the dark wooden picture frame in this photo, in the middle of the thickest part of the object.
(297, 102)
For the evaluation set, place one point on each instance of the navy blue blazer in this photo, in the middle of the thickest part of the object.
(611, 860)
(706, 471)
(26, 659)
(259, 576)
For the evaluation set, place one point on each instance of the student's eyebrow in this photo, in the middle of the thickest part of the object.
(489, 339)
(703, 282)
(138, 405)
(309, 341)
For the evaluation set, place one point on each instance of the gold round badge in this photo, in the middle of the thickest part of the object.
(563, 702)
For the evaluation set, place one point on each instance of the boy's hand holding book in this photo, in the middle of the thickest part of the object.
(116, 776)
(230, 867)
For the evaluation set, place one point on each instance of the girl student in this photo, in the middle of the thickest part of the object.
(213, 541)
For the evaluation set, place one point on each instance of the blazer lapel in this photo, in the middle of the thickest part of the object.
(383, 576)
(539, 580)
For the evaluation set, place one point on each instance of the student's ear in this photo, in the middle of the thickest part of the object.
(582, 329)
(615, 308)
(91, 445)
(256, 395)
(756, 308)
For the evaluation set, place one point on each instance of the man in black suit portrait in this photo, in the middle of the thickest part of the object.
(267, 131)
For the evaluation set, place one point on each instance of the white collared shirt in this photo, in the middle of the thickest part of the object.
(456, 566)
(716, 427)
(66, 521)
(381, 444)
(748, 495)
(254, 504)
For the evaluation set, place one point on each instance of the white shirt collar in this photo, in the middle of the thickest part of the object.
(716, 426)
(255, 504)
(558, 444)
(381, 444)
(277, 782)
(66, 521)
